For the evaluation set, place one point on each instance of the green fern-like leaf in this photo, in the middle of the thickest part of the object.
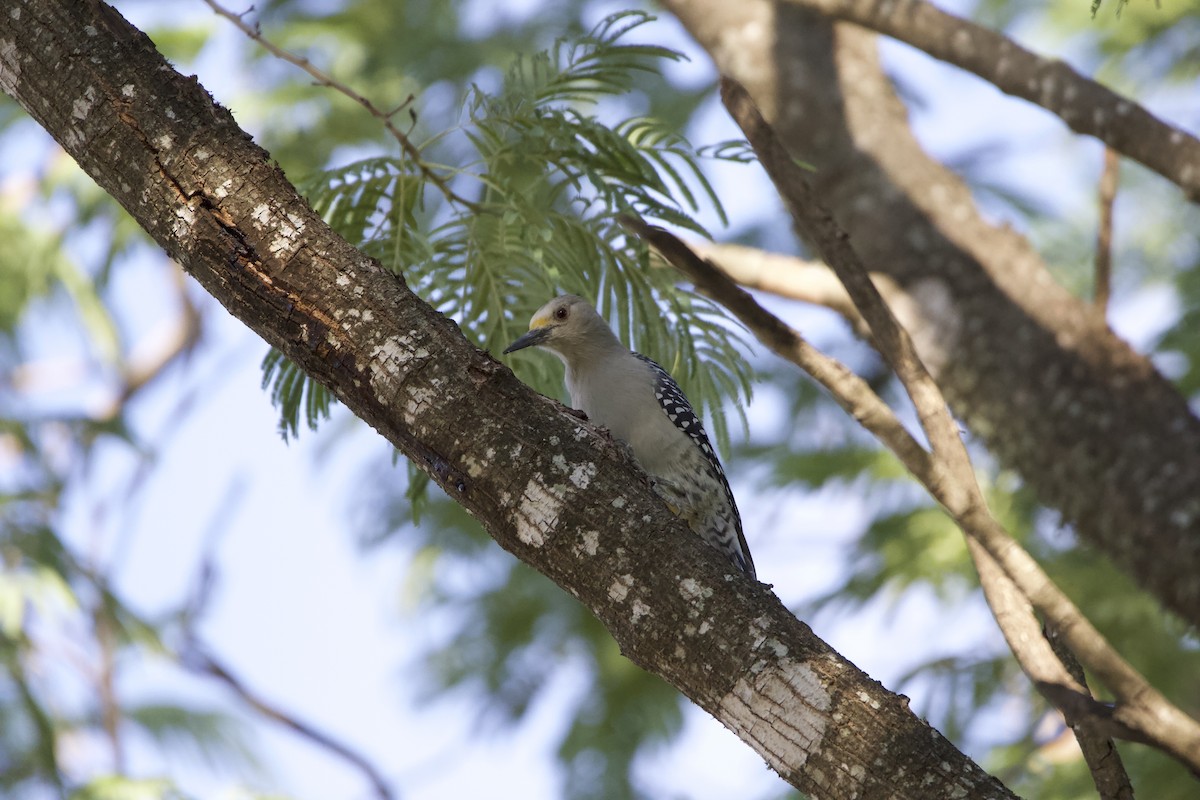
(292, 391)
(548, 180)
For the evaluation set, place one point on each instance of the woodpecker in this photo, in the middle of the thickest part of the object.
(642, 405)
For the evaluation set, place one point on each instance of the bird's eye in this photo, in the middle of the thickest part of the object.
(560, 313)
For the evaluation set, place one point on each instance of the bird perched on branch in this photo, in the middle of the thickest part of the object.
(643, 406)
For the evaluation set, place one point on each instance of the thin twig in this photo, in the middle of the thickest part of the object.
(199, 660)
(324, 79)
(194, 656)
(1108, 194)
(106, 679)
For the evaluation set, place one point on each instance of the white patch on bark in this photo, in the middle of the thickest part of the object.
(691, 590)
(84, 105)
(620, 588)
(165, 142)
(582, 475)
(783, 707)
(777, 647)
(417, 351)
(591, 542)
(128, 90)
(640, 610)
(386, 360)
(475, 468)
(419, 400)
(261, 215)
(536, 514)
(866, 698)
(186, 218)
(287, 235)
(10, 65)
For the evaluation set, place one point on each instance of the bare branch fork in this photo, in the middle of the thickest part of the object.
(1014, 583)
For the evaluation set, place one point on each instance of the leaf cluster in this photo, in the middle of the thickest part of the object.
(548, 180)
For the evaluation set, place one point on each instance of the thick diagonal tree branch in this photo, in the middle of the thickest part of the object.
(1088, 423)
(547, 487)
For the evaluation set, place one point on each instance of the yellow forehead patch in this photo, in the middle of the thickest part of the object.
(540, 321)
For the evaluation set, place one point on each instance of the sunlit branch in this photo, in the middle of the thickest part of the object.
(1107, 197)
(785, 276)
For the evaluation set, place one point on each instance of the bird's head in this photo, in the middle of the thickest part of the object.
(567, 325)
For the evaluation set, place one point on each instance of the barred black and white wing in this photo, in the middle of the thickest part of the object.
(698, 489)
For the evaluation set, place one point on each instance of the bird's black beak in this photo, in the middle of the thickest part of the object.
(534, 337)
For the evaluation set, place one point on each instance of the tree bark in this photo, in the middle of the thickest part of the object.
(1089, 424)
(548, 488)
